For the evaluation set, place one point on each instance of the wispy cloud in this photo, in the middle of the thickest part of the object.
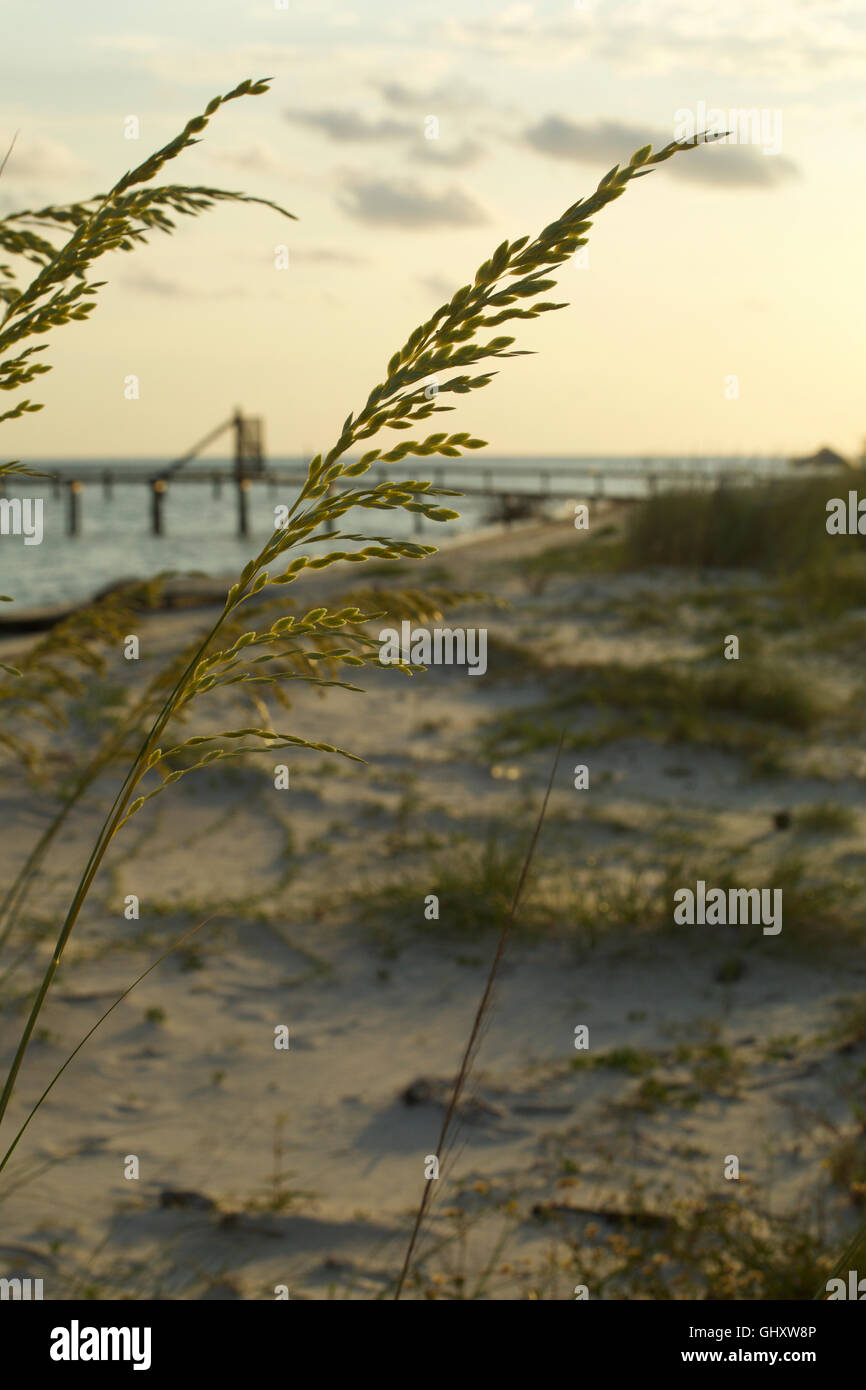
(460, 156)
(736, 166)
(453, 95)
(357, 127)
(327, 255)
(406, 203)
(161, 286)
(782, 39)
(438, 286)
(166, 287)
(131, 43)
(613, 142)
(255, 159)
(348, 127)
(589, 143)
(35, 158)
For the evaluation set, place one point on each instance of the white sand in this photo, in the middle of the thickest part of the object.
(198, 1097)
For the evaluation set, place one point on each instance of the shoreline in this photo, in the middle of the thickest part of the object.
(185, 593)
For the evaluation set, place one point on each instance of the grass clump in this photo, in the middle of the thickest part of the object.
(674, 700)
(766, 693)
(847, 1164)
(831, 586)
(826, 818)
(711, 1249)
(634, 1061)
(817, 906)
(474, 889)
(511, 661)
(779, 527)
(601, 554)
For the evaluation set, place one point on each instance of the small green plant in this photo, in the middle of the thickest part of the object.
(826, 818)
(190, 958)
(474, 889)
(850, 1030)
(706, 1249)
(628, 1059)
(847, 1164)
(780, 1048)
(731, 969)
(279, 1196)
(599, 554)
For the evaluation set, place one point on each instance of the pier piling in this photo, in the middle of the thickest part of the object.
(74, 490)
(243, 509)
(158, 489)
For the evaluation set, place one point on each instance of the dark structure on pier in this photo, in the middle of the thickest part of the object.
(249, 463)
(249, 457)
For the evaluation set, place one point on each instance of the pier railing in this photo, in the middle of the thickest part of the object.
(514, 488)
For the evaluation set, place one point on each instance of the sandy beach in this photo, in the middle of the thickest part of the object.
(599, 1166)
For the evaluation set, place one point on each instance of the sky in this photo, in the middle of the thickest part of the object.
(719, 306)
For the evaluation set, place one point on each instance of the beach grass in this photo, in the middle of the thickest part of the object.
(607, 876)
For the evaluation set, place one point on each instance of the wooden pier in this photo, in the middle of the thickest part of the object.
(248, 464)
(505, 484)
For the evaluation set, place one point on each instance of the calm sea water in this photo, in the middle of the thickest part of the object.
(199, 529)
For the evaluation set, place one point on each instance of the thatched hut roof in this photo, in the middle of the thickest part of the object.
(824, 458)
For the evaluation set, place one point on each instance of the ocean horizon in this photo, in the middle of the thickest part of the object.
(199, 528)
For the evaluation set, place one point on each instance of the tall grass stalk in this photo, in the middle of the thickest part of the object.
(484, 1005)
(447, 342)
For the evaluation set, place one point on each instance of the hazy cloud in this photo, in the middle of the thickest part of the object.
(352, 126)
(440, 288)
(459, 156)
(736, 166)
(783, 39)
(255, 159)
(164, 287)
(613, 142)
(454, 95)
(326, 255)
(344, 19)
(131, 43)
(41, 159)
(405, 203)
(161, 286)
